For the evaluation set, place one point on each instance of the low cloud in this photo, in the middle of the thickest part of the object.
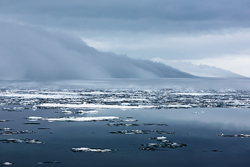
(32, 53)
(199, 70)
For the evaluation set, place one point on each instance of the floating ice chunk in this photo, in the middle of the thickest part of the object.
(93, 106)
(85, 149)
(67, 112)
(3, 120)
(161, 138)
(34, 108)
(199, 112)
(175, 145)
(129, 120)
(35, 118)
(241, 135)
(33, 141)
(48, 162)
(166, 144)
(81, 119)
(8, 132)
(193, 94)
(163, 132)
(18, 109)
(12, 140)
(122, 124)
(163, 144)
(130, 132)
(7, 164)
(147, 124)
(81, 112)
(152, 144)
(74, 119)
(148, 148)
(178, 106)
(28, 141)
(125, 120)
(82, 149)
(39, 95)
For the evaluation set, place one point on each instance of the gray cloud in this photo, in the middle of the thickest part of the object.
(170, 29)
(33, 53)
(142, 15)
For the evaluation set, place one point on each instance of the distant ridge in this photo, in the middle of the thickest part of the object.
(199, 70)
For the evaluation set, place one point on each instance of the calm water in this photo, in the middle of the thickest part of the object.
(197, 128)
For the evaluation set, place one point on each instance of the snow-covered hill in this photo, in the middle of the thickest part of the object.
(199, 70)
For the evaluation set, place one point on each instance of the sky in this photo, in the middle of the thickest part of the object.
(214, 33)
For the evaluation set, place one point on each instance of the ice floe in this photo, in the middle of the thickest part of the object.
(122, 124)
(28, 141)
(162, 143)
(161, 138)
(141, 132)
(9, 132)
(66, 112)
(129, 120)
(80, 112)
(5, 120)
(198, 112)
(192, 93)
(178, 106)
(48, 162)
(156, 124)
(7, 164)
(97, 150)
(95, 106)
(35, 118)
(14, 109)
(73, 119)
(34, 108)
(240, 135)
(126, 99)
(129, 132)
(40, 95)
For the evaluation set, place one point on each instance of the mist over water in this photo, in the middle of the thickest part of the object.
(29, 52)
(130, 83)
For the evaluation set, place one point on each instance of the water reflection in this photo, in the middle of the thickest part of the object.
(197, 138)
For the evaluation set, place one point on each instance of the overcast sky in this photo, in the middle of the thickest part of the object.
(214, 32)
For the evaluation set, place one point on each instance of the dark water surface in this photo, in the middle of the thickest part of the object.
(197, 128)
